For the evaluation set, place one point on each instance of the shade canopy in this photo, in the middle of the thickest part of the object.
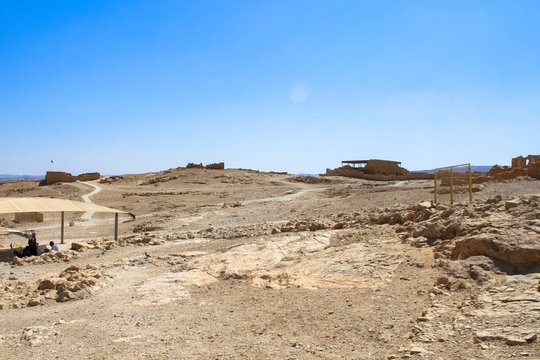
(38, 204)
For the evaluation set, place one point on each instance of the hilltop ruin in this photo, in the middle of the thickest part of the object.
(386, 170)
(531, 164)
(53, 177)
(375, 169)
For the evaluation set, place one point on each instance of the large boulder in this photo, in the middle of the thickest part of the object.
(525, 250)
(79, 246)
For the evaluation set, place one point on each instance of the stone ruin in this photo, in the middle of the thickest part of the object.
(53, 177)
(522, 166)
(375, 169)
(215, 166)
(530, 163)
(385, 170)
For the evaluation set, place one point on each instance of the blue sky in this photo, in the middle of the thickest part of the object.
(137, 86)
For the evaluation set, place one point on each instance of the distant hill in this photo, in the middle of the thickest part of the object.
(7, 177)
(480, 168)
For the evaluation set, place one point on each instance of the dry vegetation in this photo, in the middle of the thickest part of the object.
(234, 264)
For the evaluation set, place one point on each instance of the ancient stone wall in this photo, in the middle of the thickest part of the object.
(53, 177)
(534, 170)
(89, 176)
(526, 165)
(57, 176)
(381, 170)
(194, 166)
(458, 178)
(519, 162)
(350, 171)
(382, 167)
(523, 162)
(216, 166)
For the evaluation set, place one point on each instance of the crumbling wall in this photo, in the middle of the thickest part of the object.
(194, 166)
(53, 177)
(519, 162)
(381, 170)
(216, 166)
(349, 171)
(458, 178)
(89, 176)
(534, 170)
(383, 167)
(523, 162)
(346, 170)
(521, 166)
(57, 176)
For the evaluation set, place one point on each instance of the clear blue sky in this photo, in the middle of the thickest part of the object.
(137, 86)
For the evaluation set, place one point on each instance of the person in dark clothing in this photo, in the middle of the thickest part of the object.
(26, 252)
(33, 245)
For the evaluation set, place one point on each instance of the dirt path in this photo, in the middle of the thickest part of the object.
(287, 197)
(88, 215)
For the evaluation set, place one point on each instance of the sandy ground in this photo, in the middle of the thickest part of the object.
(216, 273)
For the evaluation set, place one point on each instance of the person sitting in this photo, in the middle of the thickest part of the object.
(54, 247)
(17, 251)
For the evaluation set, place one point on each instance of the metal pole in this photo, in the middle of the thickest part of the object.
(115, 226)
(435, 186)
(62, 230)
(470, 183)
(451, 186)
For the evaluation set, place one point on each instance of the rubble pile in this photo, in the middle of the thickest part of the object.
(111, 179)
(72, 283)
(504, 309)
(13, 293)
(160, 179)
(134, 239)
(508, 231)
(145, 227)
(48, 257)
(224, 233)
(6, 223)
(313, 180)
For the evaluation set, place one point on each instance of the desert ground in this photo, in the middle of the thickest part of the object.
(241, 264)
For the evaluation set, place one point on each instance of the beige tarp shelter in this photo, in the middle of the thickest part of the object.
(38, 204)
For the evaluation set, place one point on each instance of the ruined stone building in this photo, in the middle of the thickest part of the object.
(530, 163)
(53, 177)
(375, 169)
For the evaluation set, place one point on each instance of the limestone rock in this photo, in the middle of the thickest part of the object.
(79, 246)
(510, 204)
(50, 283)
(38, 335)
(38, 300)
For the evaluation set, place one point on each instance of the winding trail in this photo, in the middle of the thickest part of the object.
(286, 197)
(88, 215)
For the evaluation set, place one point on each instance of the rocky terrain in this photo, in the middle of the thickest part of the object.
(239, 264)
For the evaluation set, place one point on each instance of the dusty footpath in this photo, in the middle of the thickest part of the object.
(238, 264)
